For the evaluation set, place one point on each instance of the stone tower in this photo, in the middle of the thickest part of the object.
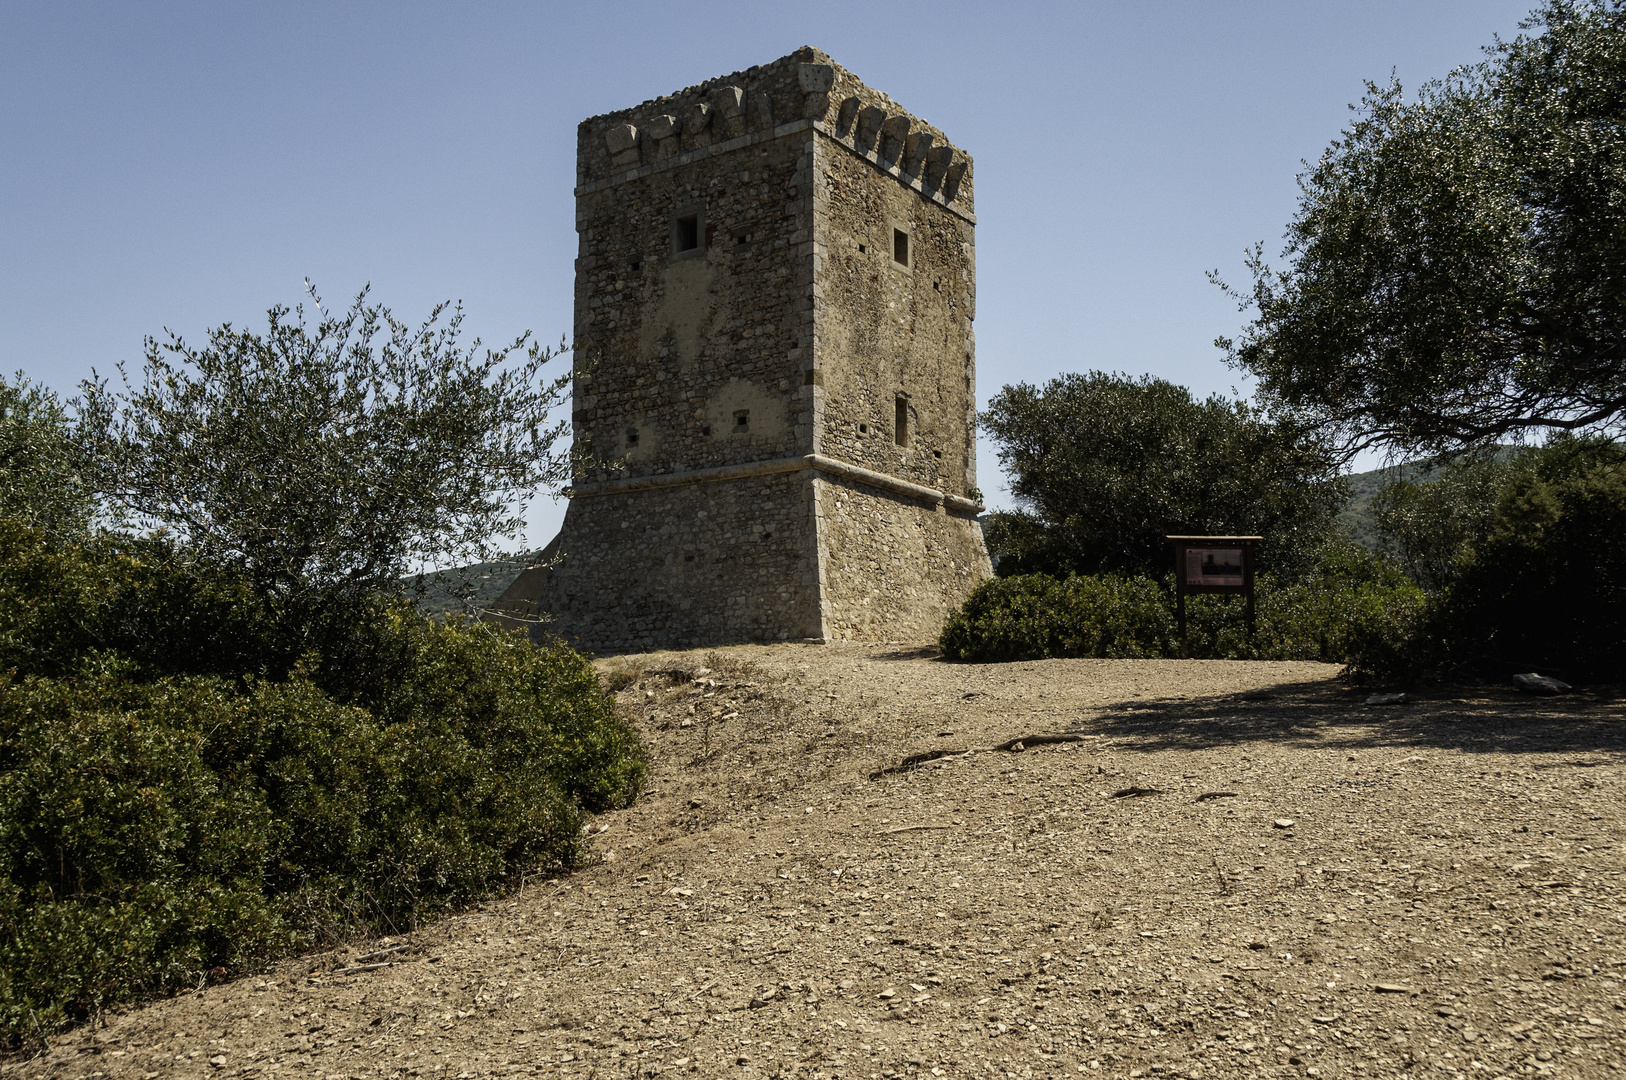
(774, 293)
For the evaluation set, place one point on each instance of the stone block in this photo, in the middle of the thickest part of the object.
(870, 119)
(619, 138)
(728, 101)
(915, 149)
(759, 111)
(816, 78)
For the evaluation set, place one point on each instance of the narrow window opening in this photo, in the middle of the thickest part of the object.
(742, 420)
(706, 430)
(937, 286)
(686, 232)
(900, 427)
(741, 239)
(632, 436)
(937, 453)
(900, 247)
(688, 558)
(863, 429)
(634, 266)
(863, 249)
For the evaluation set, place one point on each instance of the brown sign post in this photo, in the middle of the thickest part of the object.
(1212, 564)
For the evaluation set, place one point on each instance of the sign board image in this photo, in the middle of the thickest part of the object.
(1214, 566)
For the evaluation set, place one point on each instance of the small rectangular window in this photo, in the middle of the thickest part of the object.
(900, 247)
(900, 426)
(742, 420)
(686, 232)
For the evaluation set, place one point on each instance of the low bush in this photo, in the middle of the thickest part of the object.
(1353, 613)
(1545, 588)
(1036, 616)
(167, 812)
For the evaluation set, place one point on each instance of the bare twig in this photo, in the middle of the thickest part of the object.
(375, 954)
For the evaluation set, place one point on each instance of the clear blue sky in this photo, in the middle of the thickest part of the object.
(185, 164)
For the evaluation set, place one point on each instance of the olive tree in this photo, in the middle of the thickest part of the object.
(325, 459)
(1452, 274)
(1104, 466)
(41, 468)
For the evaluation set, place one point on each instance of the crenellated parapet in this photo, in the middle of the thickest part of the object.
(803, 90)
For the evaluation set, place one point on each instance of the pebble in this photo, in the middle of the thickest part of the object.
(1386, 699)
(1283, 823)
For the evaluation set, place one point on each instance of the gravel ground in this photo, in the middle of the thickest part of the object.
(1234, 869)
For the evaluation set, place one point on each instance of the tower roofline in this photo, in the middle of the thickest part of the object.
(802, 89)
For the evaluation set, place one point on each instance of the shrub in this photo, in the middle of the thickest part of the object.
(1355, 613)
(1546, 587)
(166, 811)
(1035, 616)
(127, 865)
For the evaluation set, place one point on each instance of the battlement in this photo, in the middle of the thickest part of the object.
(803, 90)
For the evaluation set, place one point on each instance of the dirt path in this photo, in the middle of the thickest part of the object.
(1310, 886)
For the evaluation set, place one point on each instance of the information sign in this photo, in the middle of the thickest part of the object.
(1212, 564)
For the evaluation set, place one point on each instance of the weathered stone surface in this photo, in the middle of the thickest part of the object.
(816, 78)
(619, 137)
(757, 310)
(1531, 683)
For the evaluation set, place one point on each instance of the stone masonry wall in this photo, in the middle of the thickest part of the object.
(671, 347)
(727, 324)
(684, 566)
(889, 330)
(894, 569)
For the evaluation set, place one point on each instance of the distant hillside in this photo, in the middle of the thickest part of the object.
(1356, 517)
(487, 579)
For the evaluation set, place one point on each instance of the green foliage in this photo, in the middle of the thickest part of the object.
(40, 464)
(323, 464)
(1546, 586)
(127, 866)
(1355, 612)
(166, 811)
(1454, 262)
(1107, 466)
(1036, 617)
(62, 606)
(1427, 526)
(1522, 560)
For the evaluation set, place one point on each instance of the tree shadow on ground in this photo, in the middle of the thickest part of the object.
(904, 652)
(1315, 715)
